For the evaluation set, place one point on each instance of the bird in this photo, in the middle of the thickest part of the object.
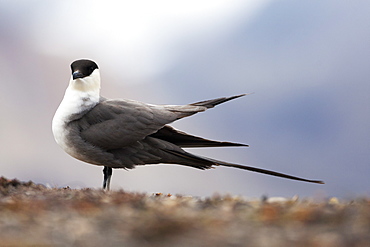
(124, 133)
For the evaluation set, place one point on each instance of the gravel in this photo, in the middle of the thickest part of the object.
(34, 215)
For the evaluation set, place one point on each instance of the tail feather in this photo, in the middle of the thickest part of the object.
(182, 139)
(272, 173)
(182, 111)
(206, 163)
(213, 102)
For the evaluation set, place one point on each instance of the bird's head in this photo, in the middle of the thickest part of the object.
(85, 76)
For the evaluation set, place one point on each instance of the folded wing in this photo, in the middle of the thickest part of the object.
(115, 124)
(182, 139)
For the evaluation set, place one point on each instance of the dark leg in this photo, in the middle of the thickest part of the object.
(107, 171)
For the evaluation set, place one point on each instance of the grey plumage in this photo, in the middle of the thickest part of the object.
(127, 133)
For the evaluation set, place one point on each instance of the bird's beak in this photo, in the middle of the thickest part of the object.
(77, 74)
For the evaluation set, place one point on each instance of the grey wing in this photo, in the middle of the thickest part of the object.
(155, 151)
(117, 123)
(182, 139)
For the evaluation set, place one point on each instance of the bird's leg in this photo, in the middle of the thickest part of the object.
(107, 171)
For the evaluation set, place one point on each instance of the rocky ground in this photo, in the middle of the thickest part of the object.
(34, 215)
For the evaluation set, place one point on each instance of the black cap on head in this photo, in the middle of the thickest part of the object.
(82, 68)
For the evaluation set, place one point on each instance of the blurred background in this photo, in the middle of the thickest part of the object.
(306, 62)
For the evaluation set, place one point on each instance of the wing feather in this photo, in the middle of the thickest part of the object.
(118, 123)
(113, 124)
(182, 139)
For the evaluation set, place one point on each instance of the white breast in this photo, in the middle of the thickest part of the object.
(74, 102)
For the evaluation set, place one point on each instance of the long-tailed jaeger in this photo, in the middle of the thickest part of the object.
(121, 133)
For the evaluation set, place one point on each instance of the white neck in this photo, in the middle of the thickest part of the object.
(82, 94)
(87, 84)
